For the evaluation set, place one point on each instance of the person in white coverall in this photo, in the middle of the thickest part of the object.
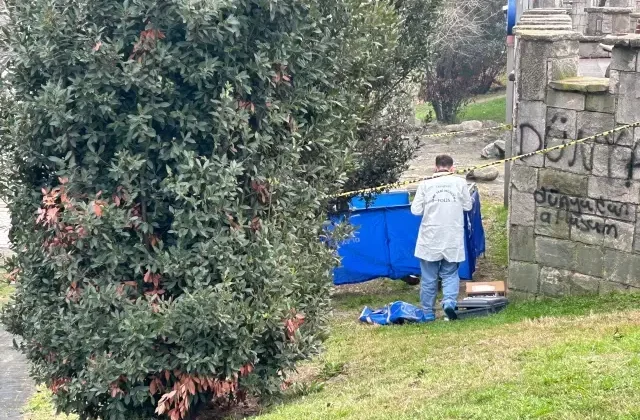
(441, 202)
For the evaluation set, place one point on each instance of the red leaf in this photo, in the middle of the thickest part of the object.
(153, 388)
(97, 46)
(191, 386)
(97, 209)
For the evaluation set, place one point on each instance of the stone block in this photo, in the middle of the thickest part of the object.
(607, 287)
(621, 137)
(522, 243)
(531, 118)
(628, 111)
(522, 209)
(524, 178)
(600, 102)
(590, 123)
(581, 284)
(559, 282)
(562, 68)
(523, 276)
(619, 235)
(620, 3)
(554, 282)
(594, 24)
(532, 67)
(624, 59)
(614, 82)
(591, 49)
(620, 24)
(554, 252)
(552, 222)
(561, 123)
(607, 25)
(588, 259)
(553, 199)
(587, 229)
(636, 135)
(565, 48)
(562, 182)
(518, 296)
(545, 4)
(636, 237)
(568, 100)
(614, 189)
(614, 210)
(611, 161)
(576, 158)
(622, 267)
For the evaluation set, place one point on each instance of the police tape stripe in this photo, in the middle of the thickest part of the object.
(487, 165)
(455, 133)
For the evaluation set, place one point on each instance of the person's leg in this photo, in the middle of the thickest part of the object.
(429, 285)
(450, 287)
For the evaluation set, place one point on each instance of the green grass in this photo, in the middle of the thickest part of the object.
(490, 109)
(40, 407)
(6, 290)
(573, 358)
(422, 110)
(494, 216)
(483, 108)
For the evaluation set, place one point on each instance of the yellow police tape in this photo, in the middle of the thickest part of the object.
(455, 133)
(486, 165)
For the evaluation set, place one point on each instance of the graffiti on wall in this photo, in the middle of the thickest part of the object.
(581, 156)
(585, 214)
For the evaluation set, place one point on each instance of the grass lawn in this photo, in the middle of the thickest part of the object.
(567, 359)
(5, 291)
(573, 358)
(491, 108)
(482, 108)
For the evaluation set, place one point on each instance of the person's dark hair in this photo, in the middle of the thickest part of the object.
(444, 161)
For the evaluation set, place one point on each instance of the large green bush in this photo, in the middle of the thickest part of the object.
(169, 163)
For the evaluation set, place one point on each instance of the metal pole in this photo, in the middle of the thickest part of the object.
(509, 115)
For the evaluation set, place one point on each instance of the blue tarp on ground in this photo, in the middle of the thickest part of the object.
(385, 239)
(395, 313)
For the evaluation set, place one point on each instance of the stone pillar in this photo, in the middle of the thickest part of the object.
(553, 21)
(574, 218)
(578, 14)
(546, 4)
(608, 20)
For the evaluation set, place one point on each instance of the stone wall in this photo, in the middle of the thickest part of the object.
(574, 215)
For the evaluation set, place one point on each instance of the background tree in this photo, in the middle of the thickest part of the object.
(169, 165)
(468, 54)
(386, 46)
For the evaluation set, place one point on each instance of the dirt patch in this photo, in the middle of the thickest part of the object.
(465, 150)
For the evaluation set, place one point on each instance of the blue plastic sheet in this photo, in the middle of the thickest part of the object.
(385, 237)
(395, 313)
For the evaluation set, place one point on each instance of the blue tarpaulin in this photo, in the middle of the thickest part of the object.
(385, 237)
(395, 313)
